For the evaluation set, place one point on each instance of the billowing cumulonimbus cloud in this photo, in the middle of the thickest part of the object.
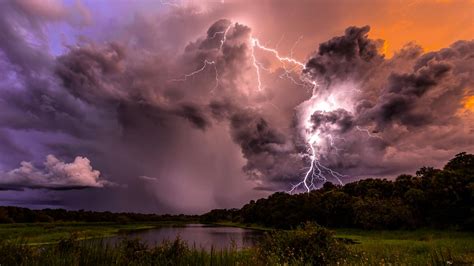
(203, 118)
(399, 108)
(55, 175)
(347, 57)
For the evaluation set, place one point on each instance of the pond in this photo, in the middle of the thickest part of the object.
(201, 235)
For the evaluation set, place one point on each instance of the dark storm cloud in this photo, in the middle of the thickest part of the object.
(401, 106)
(100, 77)
(194, 115)
(215, 34)
(169, 107)
(88, 72)
(272, 155)
(40, 108)
(431, 93)
(259, 142)
(29, 99)
(32, 103)
(14, 46)
(105, 76)
(345, 57)
(340, 118)
(30, 15)
(405, 92)
(154, 104)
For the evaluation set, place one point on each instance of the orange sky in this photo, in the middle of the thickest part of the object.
(432, 24)
(469, 103)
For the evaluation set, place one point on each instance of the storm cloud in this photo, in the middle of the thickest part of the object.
(399, 108)
(180, 111)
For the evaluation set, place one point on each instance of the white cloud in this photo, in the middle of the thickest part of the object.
(55, 174)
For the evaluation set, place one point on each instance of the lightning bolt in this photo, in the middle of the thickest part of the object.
(209, 62)
(285, 60)
(204, 66)
(316, 172)
(257, 68)
(256, 43)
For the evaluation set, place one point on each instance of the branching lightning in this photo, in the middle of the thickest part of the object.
(209, 62)
(256, 43)
(204, 66)
(316, 173)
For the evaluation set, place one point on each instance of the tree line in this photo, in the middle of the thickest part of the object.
(10, 214)
(432, 197)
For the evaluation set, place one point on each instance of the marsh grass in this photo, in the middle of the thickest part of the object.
(403, 247)
(128, 252)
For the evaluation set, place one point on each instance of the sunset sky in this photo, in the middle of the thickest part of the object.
(184, 106)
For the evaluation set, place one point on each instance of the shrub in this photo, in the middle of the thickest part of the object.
(131, 250)
(309, 244)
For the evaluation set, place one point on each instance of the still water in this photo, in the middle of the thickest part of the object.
(200, 235)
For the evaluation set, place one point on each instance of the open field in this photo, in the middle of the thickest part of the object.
(410, 247)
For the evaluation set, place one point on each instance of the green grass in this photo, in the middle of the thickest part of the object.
(408, 247)
(402, 247)
(417, 247)
(47, 233)
(244, 226)
(128, 252)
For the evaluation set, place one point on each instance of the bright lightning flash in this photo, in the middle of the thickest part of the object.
(316, 173)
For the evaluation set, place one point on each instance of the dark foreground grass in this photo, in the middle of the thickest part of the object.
(129, 252)
(133, 252)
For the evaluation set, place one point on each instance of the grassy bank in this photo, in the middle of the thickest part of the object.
(411, 247)
(47, 233)
(419, 247)
(244, 226)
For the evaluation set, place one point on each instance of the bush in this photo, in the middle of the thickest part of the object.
(309, 244)
(131, 250)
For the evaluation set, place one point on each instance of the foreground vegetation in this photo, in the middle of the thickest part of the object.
(410, 247)
(308, 245)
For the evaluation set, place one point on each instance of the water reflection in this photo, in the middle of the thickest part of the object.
(199, 235)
